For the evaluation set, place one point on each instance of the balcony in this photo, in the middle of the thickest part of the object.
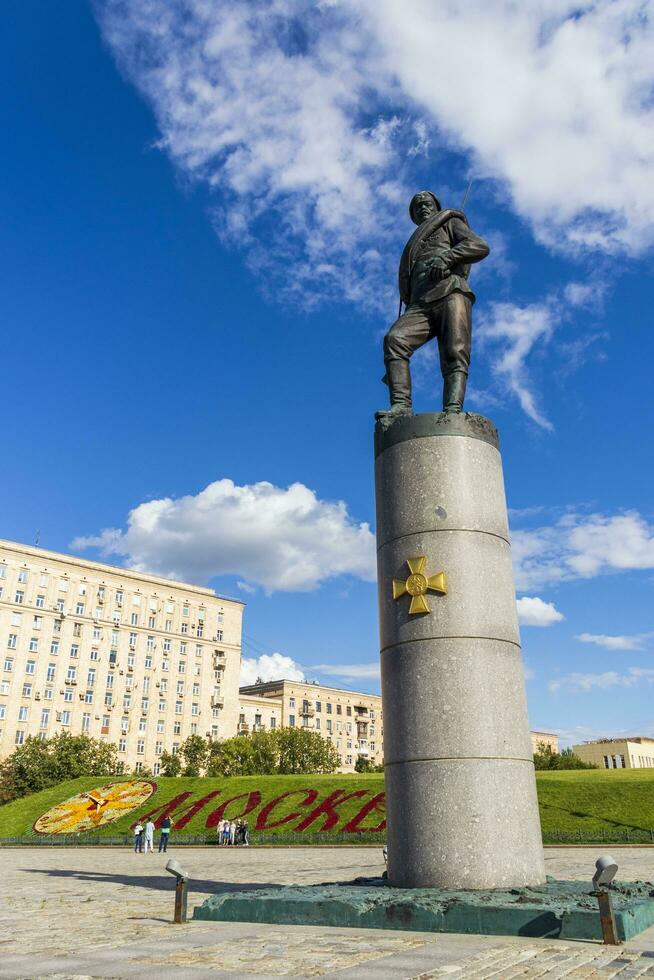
(258, 727)
(308, 710)
(217, 701)
(362, 729)
(243, 728)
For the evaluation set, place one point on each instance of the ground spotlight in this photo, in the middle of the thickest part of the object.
(181, 889)
(606, 869)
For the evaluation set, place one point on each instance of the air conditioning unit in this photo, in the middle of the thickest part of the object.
(58, 715)
(158, 684)
(100, 601)
(81, 696)
(97, 717)
(121, 672)
(132, 647)
(37, 696)
(130, 669)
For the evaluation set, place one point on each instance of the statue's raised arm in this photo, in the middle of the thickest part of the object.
(433, 283)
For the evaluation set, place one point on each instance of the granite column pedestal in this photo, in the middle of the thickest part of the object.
(460, 787)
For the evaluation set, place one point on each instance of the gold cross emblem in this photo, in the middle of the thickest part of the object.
(417, 585)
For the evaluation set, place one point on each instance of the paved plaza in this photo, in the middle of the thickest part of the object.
(105, 912)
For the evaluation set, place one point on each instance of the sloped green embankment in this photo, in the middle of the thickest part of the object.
(574, 805)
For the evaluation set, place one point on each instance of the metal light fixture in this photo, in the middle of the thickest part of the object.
(606, 869)
(181, 889)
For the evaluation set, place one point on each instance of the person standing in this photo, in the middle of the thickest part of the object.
(166, 825)
(138, 838)
(149, 836)
(246, 833)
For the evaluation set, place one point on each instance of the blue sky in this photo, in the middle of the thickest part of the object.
(203, 208)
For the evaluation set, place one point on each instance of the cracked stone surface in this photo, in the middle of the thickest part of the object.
(80, 913)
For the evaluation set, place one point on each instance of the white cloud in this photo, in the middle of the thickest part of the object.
(350, 671)
(280, 539)
(533, 611)
(635, 642)
(553, 98)
(579, 682)
(313, 118)
(513, 332)
(270, 667)
(581, 546)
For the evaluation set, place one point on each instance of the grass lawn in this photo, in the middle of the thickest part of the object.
(588, 805)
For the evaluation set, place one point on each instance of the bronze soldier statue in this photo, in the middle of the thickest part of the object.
(433, 280)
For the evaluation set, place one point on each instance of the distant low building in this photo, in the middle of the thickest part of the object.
(544, 738)
(618, 753)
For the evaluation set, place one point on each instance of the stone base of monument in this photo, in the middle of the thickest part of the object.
(553, 910)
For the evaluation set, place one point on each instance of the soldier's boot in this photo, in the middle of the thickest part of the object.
(454, 390)
(398, 379)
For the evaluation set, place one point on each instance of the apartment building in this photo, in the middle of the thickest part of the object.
(548, 739)
(618, 753)
(352, 722)
(135, 659)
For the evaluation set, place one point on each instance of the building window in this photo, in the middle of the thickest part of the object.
(149, 644)
(74, 651)
(71, 674)
(348, 711)
(177, 728)
(54, 647)
(329, 725)
(291, 702)
(195, 710)
(86, 721)
(23, 712)
(318, 724)
(12, 641)
(329, 709)
(184, 628)
(140, 746)
(162, 705)
(20, 737)
(165, 664)
(181, 667)
(122, 745)
(156, 769)
(160, 726)
(148, 663)
(151, 622)
(18, 598)
(16, 619)
(9, 664)
(79, 608)
(198, 649)
(52, 668)
(134, 619)
(65, 717)
(88, 697)
(30, 667)
(178, 707)
(23, 575)
(291, 721)
(318, 706)
(339, 710)
(45, 718)
(94, 655)
(219, 636)
(40, 601)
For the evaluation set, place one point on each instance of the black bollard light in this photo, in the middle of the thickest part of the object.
(181, 890)
(606, 871)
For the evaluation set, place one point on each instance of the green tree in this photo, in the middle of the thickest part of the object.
(38, 763)
(171, 765)
(547, 758)
(303, 751)
(232, 757)
(194, 753)
(365, 765)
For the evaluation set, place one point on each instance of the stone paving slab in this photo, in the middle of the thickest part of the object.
(83, 913)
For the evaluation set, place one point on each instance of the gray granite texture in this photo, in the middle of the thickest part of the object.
(460, 788)
(475, 678)
(467, 820)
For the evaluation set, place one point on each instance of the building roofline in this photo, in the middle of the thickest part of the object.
(270, 685)
(127, 573)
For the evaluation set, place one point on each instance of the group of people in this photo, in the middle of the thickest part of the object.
(144, 836)
(233, 832)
